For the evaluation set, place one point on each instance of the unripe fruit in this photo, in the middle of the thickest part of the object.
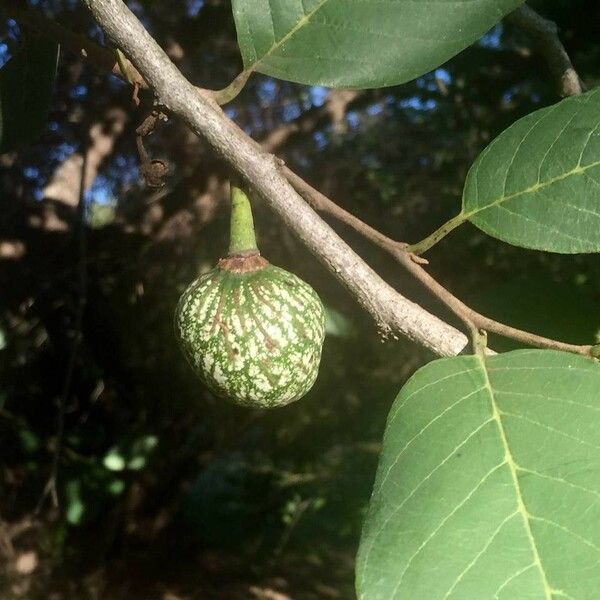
(252, 332)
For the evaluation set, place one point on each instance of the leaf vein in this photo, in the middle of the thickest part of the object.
(519, 497)
(421, 431)
(512, 578)
(461, 575)
(551, 429)
(558, 480)
(431, 384)
(582, 539)
(464, 501)
(398, 508)
(533, 188)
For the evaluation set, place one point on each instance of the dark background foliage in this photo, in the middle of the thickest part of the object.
(165, 491)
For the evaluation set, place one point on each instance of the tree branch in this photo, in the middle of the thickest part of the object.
(390, 318)
(413, 264)
(51, 487)
(545, 36)
(393, 313)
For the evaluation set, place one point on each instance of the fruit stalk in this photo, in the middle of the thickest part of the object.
(242, 238)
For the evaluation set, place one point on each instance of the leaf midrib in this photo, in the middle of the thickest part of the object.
(278, 44)
(521, 508)
(532, 189)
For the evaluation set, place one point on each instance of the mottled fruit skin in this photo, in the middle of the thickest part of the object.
(254, 336)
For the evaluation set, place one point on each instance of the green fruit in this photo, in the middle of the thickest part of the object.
(252, 332)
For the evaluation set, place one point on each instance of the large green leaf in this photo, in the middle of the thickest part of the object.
(488, 485)
(369, 43)
(537, 185)
(26, 84)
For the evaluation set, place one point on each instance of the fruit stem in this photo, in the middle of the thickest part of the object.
(242, 238)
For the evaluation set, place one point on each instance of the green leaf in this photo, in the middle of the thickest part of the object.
(371, 43)
(537, 185)
(26, 84)
(114, 460)
(488, 485)
(337, 324)
(75, 509)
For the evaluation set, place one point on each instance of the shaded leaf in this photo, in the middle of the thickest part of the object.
(26, 84)
(337, 324)
(537, 185)
(489, 483)
(372, 43)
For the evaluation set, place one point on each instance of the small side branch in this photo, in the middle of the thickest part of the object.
(413, 264)
(545, 36)
(394, 314)
(51, 488)
(266, 176)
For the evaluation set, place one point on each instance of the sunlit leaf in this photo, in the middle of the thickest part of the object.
(26, 84)
(132, 454)
(372, 43)
(137, 463)
(337, 324)
(75, 508)
(29, 440)
(116, 487)
(537, 185)
(489, 483)
(114, 460)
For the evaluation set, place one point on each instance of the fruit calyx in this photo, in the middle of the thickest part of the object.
(243, 262)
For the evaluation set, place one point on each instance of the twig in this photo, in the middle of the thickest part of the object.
(51, 489)
(545, 35)
(390, 309)
(394, 314)
(302, 507)
(471, 318)
(113, 61)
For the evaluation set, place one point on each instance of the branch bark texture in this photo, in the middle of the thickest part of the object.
(545, 36)
(413, 264)
(394, 314)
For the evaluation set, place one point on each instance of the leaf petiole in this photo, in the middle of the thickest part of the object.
(437, 235)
